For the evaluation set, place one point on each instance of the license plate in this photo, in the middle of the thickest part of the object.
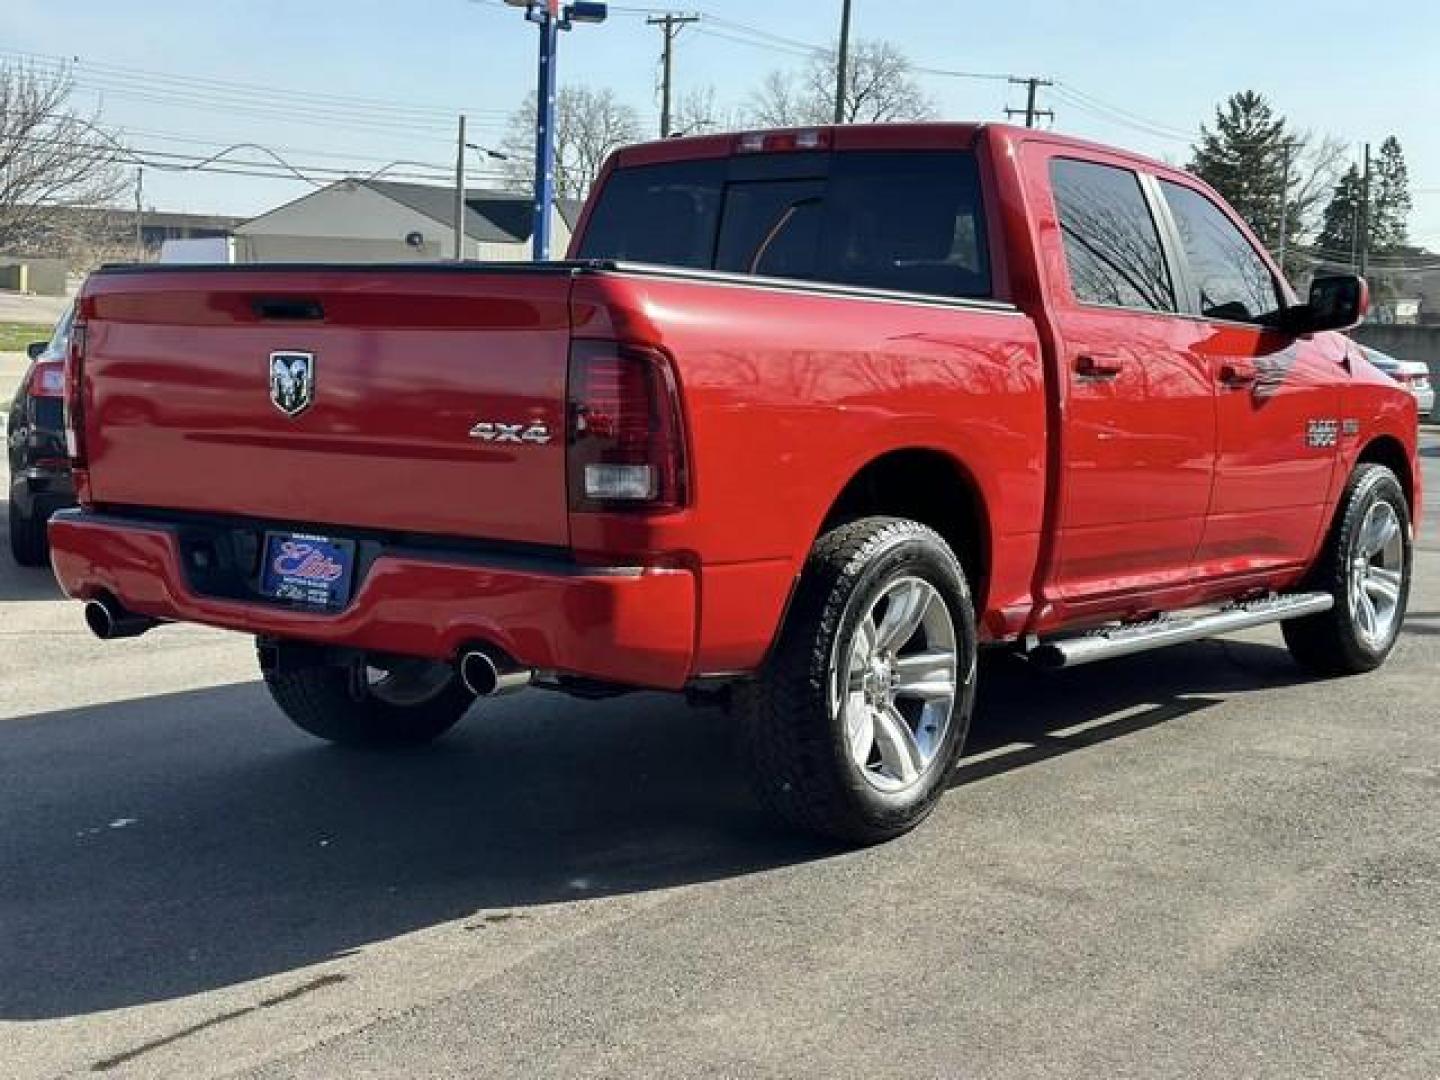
(312, 570)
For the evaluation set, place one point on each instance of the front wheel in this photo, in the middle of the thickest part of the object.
(1366, 566)
(853, 728)
(386, 703)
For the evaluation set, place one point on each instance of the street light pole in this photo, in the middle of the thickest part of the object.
(551, 18)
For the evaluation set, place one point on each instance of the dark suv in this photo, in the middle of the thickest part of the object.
(40, 480)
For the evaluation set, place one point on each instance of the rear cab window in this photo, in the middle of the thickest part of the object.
(901, 221)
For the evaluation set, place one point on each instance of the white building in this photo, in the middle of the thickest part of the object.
(362, 221)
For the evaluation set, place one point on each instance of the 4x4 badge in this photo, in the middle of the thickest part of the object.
(537, 434)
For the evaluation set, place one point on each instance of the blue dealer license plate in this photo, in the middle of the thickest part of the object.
(311, 570)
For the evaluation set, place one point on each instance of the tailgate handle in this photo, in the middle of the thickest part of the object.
(288, 309)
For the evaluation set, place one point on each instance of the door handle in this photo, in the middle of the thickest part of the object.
(1238, 376)
(1090, 366)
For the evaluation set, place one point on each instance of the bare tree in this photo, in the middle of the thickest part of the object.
(781, 101)
(881, 89)
(589, 126)
(699, 111)
(1319, 162)
(52, 161)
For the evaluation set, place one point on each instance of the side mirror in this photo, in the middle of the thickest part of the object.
(35, 348)
(1338, 302)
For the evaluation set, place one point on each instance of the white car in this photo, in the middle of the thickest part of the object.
(1414, 375)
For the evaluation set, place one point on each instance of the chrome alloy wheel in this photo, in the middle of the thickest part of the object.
(1377, 575)
(894, 684)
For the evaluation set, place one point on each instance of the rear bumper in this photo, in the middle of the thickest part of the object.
(630, 626)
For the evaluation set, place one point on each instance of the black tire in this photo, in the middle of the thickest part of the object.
(340, 705)
(1334, 642)
(29, 543)
(793, 739)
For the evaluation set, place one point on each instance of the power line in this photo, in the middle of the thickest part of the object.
(724, 35)
(192, 140)
(98, 71)
(1134, 119)
(1348, 258)
(277, 167)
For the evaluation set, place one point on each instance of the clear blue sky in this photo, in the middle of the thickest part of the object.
(1330, 65)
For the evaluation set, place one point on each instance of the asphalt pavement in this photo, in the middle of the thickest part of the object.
(1192, 863)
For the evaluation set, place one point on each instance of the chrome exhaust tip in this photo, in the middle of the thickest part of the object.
(486, 675)
(108, 621)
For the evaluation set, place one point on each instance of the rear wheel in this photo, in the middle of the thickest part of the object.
(28, 542)
(853, 729)
(385, 703)
(1366, 566)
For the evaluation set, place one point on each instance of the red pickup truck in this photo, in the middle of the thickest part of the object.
(808, 418)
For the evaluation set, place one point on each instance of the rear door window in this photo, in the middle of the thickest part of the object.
(906, 221)
(1112, 245)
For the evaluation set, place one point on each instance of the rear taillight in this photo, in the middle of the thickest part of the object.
(47, 379)
(74, 395)
(626, 444)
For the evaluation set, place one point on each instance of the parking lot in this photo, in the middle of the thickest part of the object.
(1195, 862)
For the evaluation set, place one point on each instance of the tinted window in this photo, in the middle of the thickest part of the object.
(663, 214)
(908, 222)
(772, 228)
(1233, 280)
(1112, 246)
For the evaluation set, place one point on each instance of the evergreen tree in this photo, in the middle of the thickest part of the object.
(1389, 199)
(1342, 215)
(1243, 158)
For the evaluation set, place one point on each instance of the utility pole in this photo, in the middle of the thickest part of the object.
(139, 215)
(1030, 112)
(1365, 216)
(460, 193)
(670, 25)
(551, 17)
(1285, 150)
(842, 64)
(1355, 238)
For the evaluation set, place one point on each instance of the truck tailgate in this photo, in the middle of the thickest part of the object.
(183, 369)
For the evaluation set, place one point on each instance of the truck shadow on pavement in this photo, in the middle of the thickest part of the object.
(167, 846)
(1422, 623)
(27, 583)
(23, 582)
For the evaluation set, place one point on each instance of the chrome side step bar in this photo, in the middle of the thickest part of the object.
(1126, 639)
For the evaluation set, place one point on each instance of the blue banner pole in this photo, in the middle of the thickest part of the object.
(549, 21)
